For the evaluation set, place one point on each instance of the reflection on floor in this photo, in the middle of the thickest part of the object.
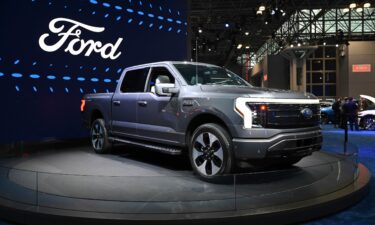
(364, 212)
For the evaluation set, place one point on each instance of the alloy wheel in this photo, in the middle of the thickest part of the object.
(97, 136)
(208, 154)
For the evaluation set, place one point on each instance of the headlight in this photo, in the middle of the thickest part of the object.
(254, 115)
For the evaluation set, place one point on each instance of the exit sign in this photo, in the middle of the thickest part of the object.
(361, 68)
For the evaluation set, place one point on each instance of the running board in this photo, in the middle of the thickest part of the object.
(159, 148)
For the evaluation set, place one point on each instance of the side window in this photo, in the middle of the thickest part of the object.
(159, 75)
(134, 81)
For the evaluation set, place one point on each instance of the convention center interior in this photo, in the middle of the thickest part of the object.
(169, 112)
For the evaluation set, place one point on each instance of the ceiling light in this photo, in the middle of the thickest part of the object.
(200, 30)
(273, 12)
(299, 44)
(259, 12)
(247, 33)
(337, 45)
(262, 8)
(247, 47)
(284, 13)
(266, 22)
(346, 10)
(227, 25)
(209, 49)
(324, 43)
(239, 46)
(352, 6)
(367, 5)
(291, 45)
(359, 10)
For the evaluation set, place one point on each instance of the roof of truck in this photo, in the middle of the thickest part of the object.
(169, 63)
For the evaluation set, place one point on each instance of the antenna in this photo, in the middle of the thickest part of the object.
(196, 60)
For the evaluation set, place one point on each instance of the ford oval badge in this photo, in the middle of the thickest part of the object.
(307, 113)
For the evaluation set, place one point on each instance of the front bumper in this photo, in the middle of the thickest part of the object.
(283, 144)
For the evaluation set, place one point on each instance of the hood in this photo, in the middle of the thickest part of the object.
(371, 99)
(255, 92)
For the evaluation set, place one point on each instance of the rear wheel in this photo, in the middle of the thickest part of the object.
(99, 137)
(210, 151)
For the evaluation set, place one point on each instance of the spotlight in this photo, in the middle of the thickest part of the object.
(227, 25)
(299, 44)
(247, 47)
(273, 12)
(359, 10)
(209, 50)
(284, 13)
(200, 30)
(239, 46)
(367, 5)
(259, 12)
(346, 10)
(262, 8)
(353, 5)
(247, 33)
(291, 45)
(337, 45)
(266, 22)
(324, 43)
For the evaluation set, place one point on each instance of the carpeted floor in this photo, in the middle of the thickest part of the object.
(364, 212)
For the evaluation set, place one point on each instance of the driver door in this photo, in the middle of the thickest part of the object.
(157, 115)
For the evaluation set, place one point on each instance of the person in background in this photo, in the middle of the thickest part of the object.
(337, 112)
(343, 120)
(350, 109)
(362, 104)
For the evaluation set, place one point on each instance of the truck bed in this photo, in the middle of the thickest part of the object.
(101, 102)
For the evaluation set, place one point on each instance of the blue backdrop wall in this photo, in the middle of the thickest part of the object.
(52, 52)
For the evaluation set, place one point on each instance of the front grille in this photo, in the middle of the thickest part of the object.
(286, 115)
(290, 116)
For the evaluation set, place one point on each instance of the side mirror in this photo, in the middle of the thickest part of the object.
(166, 89)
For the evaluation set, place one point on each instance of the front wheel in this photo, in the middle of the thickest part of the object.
(368, 123)
(99, 137)
(210, 151)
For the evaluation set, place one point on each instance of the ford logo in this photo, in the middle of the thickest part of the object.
(307, 113)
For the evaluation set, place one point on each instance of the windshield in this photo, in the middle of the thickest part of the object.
(209, 75)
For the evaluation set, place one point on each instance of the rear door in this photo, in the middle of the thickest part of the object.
(157, 115)
(124, 102)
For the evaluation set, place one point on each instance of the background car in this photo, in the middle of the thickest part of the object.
(327, 115)
(367, 117)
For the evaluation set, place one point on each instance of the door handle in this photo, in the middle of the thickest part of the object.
(142, 103)
(116, 103)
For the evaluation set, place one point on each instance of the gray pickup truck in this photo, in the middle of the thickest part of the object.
(206, 111)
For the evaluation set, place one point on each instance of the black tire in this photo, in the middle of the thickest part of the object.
(324, 119)
(210, 151)
(368, 123)
(99, 137)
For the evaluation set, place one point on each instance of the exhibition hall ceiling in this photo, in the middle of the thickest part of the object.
(219, 26)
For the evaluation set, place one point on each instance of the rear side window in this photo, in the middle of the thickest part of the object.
(134, 81)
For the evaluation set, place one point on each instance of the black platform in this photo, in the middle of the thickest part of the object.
(74, 185)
